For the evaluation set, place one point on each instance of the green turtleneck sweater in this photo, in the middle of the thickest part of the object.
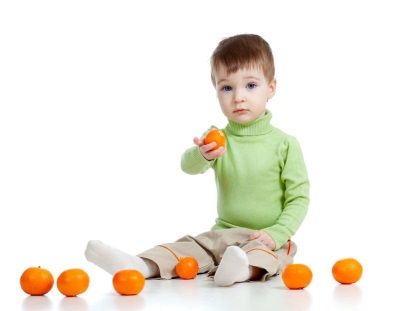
(262, 181)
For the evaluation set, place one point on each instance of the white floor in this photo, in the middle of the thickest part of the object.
(201, 294)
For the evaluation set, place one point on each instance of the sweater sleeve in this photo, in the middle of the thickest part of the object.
(296, 197)
(193, 162)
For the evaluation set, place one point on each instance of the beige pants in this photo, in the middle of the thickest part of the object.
(209, 247)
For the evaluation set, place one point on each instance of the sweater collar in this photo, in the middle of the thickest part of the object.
(259, 126)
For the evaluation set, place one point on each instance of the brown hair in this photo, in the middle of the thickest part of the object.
(243, 51)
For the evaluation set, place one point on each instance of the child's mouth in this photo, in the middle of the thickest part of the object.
(240, 110)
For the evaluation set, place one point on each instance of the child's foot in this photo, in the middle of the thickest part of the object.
(233, 268)
(113, 260)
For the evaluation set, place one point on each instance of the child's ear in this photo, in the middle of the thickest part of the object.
(271, 88)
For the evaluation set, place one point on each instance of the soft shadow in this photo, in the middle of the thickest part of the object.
(36, 303)
(296, 299)
(73, 304)
(277, 297)
(347, 295)
(134, 302)
(187, 289)
(120, 302)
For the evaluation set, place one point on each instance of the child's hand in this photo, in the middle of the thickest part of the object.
(264, 237)
(206, 149)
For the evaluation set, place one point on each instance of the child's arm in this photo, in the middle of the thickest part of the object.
(193, 162)
(200, 158)
(296, 199)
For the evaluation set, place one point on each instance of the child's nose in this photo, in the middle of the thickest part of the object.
(238, 98)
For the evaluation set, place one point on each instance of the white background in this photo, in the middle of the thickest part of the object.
(98, 100)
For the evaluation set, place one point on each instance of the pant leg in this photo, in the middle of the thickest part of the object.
(207, 248)
(166, 260)
(271, 262)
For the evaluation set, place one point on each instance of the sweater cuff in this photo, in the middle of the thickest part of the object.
(193, 162)
(197, 156)
(279, 238)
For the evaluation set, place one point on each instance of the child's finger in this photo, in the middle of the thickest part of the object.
(254, 236)
(197, 141)
(208, 147)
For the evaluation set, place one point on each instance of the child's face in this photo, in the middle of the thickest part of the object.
(243, 95)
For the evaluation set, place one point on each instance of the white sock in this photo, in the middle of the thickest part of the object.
(112, 260)
(233, 268)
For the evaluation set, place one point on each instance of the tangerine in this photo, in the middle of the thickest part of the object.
(187, 268)
(347, 271)
(215, 135)
(128, 282)
(36, 281)
(297, 276)
(73, 282)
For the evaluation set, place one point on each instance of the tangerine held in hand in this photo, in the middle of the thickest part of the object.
(73, 282)
(297, 276)
(215, 135)
(347, 271)
(128, 282)
(36, 281)
(187, 268)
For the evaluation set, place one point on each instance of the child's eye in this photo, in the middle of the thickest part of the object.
(251, 85)
(227, 88)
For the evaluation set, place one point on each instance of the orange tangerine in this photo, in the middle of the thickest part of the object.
(297, 276)
(128, 282)
(73, 282)
(36, 281)
(215, 135)
(347, 271)
(187, 268)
